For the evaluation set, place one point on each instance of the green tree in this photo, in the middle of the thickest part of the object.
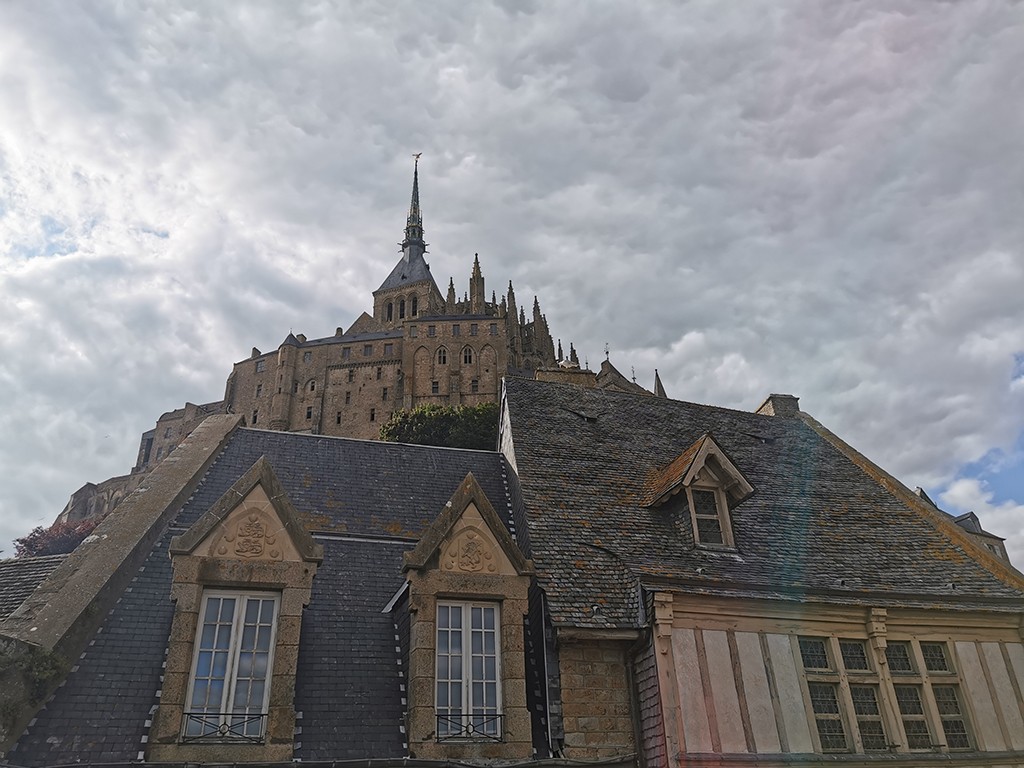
(465, 426)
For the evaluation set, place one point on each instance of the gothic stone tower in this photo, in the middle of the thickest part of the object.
(417, 347)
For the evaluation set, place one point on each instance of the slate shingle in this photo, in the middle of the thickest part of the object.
(587, 458)
(20, 576)
(369, 502)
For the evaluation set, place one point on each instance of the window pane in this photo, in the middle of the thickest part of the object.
(833, 738)
(909, 699)
(946, 699)
(898, 657)
(812, 651)
(704, 503)
(935, 657)
(872, 735)
(864, 700)
(917, 734)
(854, 654)
(823, 698)
(956, 734)
(709, 530)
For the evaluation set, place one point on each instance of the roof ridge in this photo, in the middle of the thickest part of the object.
(941, 521)
(367, 440)
(635, 395)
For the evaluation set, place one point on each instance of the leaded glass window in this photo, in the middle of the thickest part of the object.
(825, 705)
(897, 655)
(813, 653)
(869, 717)
(908, 698)
(947, 699)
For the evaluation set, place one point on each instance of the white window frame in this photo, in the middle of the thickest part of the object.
(225, 724)
(471, 720)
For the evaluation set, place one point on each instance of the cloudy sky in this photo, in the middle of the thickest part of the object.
(768, 196)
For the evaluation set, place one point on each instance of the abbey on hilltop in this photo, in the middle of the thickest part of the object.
(417, 347)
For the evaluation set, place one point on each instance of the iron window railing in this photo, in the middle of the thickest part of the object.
(200, 726)
(469, 726)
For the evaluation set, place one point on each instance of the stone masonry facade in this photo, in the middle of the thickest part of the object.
(596, 699)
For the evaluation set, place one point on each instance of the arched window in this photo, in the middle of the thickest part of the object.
(442, 356)
(391, 311)
(312, 385)
(401, 308)
(415, 304)
(467, 355)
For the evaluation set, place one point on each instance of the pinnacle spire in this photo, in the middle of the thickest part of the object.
(659, 389)
(414, 223)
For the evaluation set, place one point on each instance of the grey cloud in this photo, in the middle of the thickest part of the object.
(755, 198)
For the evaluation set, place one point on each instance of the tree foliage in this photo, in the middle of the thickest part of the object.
(58, 539)
(465, 426)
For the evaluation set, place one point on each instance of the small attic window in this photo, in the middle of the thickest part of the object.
(709, 481)
(710, 517)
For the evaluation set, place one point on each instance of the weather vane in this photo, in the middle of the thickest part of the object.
(417, 156)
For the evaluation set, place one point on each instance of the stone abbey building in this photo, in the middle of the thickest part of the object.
(418, 346)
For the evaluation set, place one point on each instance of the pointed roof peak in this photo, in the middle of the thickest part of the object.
(414, 222)
(659, 389)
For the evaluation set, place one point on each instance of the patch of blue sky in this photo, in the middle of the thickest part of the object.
(1001, 472)
(54, 242)
(163, 234)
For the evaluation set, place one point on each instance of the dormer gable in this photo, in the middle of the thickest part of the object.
(253, 521)
(703, 463)
(468, 583)
(242, 574)
(468, 536)
(711, 484)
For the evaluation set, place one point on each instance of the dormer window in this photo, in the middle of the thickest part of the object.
(710, 482)
(710, 516)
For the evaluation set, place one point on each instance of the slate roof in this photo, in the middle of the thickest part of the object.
(586, 456)
(411, 268)
(366, 502)
(20, 576)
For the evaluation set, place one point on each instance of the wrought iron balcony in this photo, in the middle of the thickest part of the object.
(470, 727)
(223, 726)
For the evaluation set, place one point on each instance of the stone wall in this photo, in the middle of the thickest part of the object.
(596, 699)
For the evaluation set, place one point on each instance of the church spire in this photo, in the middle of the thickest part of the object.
(414, 223)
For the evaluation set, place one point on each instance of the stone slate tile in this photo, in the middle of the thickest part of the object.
(586, 459)
(370, 501)
(20, 576)
(99, 714)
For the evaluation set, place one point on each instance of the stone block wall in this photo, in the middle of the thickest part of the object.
(596, 699)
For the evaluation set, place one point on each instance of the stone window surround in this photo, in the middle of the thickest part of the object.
(435, 575)
(231, 671)
(466, 677)
(195, 573)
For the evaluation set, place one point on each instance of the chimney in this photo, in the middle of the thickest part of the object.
(784, 406)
